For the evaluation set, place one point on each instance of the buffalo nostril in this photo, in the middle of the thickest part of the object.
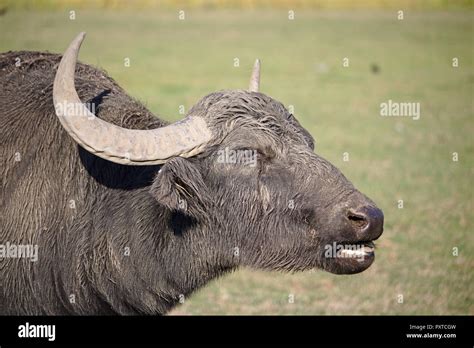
(367, 221)
(358, 220)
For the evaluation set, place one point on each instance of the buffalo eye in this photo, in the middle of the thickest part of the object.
(264, 153)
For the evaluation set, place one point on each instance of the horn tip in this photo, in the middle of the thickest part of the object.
(80, 37)
(255, 78)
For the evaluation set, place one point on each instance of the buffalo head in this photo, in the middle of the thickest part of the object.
(242, 172)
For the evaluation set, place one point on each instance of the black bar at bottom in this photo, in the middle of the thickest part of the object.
(353, 330)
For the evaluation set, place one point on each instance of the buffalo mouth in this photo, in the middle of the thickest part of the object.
(349, 257)
(360, 250)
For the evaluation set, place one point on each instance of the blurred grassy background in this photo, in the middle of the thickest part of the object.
(176, 62)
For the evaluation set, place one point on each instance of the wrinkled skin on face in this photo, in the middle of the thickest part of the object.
(279, 206)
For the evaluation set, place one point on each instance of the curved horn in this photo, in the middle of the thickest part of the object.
(185, 138)
(255, 78)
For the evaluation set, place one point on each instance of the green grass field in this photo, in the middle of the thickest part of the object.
(176, 62)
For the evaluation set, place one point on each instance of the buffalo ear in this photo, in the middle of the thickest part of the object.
(179, 186)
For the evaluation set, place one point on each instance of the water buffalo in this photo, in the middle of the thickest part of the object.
(129, 214)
